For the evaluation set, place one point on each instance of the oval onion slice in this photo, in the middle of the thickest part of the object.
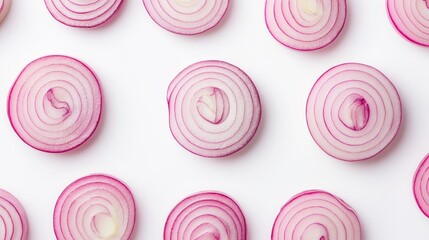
(206, 215)
(316, 214)
(353, 112)
(55, 103)
(411, 19)
(420, 186)
(4, 8)
(83, 13)
(186, 17)
(95, 207)
(305, 24)
(214, 108)
(13, 220)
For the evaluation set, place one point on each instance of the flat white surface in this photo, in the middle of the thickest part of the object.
(135, 60)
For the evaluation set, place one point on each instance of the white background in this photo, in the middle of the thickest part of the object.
(135, 60)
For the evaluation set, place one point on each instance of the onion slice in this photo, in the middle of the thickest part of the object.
(353, 112)
(316, 214)
(55, 103)
(420, 185)
(411, 19)
(4, 8)
(305, 24)
(187, 17)
(83, 13)
(206, 215)
(13, 220)
(95, 207)
(214, 108)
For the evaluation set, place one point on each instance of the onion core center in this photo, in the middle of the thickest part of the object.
(315, 232)
(213, 105)
(105, 226)
(354, 112)
(56, 103)
(312, 7)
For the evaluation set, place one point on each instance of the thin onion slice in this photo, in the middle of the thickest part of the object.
(214, 108)
(206, 215)
(55, 103)
(95, 207)
(4, 8)
(13, 220)
(187, 17)
(83, 13)
(316, 214)
(420, 186)
(305, 24)
(353, 112)
(411, 19)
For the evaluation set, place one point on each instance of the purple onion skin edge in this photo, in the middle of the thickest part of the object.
(98, 120)
(306, 49)
(414, 184)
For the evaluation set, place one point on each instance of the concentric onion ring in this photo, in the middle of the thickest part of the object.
(83, 13)
(13, 220)
(305, 24)
(317, 215)
(353, 112)
(186, 17)
(411, 19)
(55, 104)
(206, 215)
(95, 207)
(214, 108)
(4, 8)
(420, 186)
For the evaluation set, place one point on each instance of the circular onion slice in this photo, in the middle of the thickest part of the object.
(4, 8)
(13, 220)
(353, 112)
(95, 207)
(420, 186)
(206, 215)
(186, 17)
(214, 108)
(411, 19)
(83, 13)
(55, 103)
(305, 24)
(316, 214)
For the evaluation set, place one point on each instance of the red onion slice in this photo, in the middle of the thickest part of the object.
(13, 220)
(353, 112)
(421, 186)
(206, 215)
(4, 8)
(411, 19)
(83, 13)
(95, 207)
(214, 108)
(186, 17)
(305, 24)
(316, 214)
(55, 104)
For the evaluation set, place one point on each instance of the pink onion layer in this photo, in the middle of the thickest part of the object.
(4, 8)
(95, 207)
(316, 214)
(13, 220)
(353, 112)
(186, 17)
(55, 104)
(411, 19)
(83, 13)
(305, 24)
(421, 186)
(214, 108)
(206, 215)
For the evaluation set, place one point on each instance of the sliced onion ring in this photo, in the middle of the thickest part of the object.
(411, 19)
(420, 186)
(55, 103)
(305, 24)
(95, 207)
(187, 17)
(353, 112)
(206, 215)
(316, 214)
(4, 8)
(13, 220)
(83, 14)
(214, 108)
